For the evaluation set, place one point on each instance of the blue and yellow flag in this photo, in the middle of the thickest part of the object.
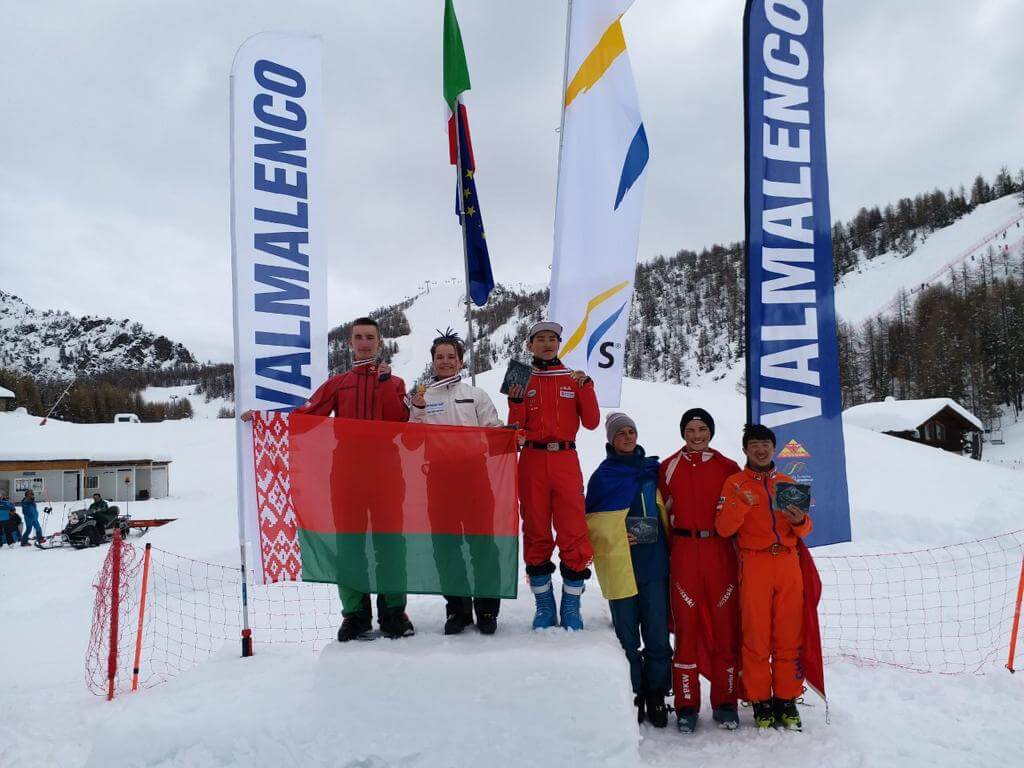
(460, 147)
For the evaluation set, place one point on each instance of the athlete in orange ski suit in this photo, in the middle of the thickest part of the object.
(771, 584)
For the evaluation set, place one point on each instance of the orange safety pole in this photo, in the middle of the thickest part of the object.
(1016, 619)
(115, 599)
(142, 614)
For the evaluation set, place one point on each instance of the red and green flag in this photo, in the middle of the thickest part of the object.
(392, 507)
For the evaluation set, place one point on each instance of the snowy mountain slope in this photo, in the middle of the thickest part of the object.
(49, 343)
(515, 699)
(201, 407)
(874, 286)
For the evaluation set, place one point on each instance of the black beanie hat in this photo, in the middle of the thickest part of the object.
(757, 432)
(699, 414)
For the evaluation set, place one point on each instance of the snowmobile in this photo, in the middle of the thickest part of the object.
(88, 530)
(85, 529)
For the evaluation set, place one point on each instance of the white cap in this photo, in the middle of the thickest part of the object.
(545, 325)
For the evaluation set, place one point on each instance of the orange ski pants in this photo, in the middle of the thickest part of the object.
(551, 494)
(772, 611)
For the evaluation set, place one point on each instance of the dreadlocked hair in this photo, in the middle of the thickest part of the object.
(448, 336)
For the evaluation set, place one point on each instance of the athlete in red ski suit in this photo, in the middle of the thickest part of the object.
(705, 603)
(550, 480)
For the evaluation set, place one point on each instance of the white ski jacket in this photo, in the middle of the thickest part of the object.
(459, 404)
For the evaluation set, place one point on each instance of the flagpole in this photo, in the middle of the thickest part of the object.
(465, 246)
(565, 85)
(561, 134)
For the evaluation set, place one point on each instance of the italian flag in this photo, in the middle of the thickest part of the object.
(390, 507)
(456, 80)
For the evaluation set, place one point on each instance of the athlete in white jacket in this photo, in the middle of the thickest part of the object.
(449, 400)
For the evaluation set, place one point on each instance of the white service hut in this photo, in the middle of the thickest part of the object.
(73, 477)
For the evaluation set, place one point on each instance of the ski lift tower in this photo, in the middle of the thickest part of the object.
(996, 431)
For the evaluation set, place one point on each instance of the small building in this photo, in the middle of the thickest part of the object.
(940, 422)
(56, 477)
(6, 400)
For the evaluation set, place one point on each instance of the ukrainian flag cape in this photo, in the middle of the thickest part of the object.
(610, 493)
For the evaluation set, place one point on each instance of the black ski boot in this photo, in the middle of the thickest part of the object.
(726, 717)
(657, 711)
(356, 626)
(486, 614)
(395, 624)
(487, 623)
(764, 714)
(787, 715)
(686, 720)
(455, 623)
(641, 709)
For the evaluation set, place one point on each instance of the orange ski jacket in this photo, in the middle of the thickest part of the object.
(746, 510)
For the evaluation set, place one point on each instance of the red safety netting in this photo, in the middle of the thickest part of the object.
(947, 610)
(121, 615)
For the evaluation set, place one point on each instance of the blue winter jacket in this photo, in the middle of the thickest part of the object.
(30, 509)
(5, 510)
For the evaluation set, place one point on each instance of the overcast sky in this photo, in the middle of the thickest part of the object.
(114, 140)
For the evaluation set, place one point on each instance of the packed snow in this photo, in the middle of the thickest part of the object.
(876, 283)
(515, 699)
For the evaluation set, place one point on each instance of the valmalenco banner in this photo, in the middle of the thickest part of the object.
(792, 358)
(600, 194)
(395, 507)
(278, 252)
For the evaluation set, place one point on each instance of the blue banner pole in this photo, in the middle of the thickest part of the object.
(792, 350)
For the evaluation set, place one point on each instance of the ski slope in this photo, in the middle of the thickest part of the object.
(876, 283)
(516, 699)
(201, 407)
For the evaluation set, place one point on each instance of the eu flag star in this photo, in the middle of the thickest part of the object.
(466, 192)
(469, 173)
(470, 211)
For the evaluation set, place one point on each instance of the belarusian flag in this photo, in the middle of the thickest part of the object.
(391, 507)
(460, 151)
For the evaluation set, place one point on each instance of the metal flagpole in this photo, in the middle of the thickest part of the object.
(240, 431)
(465, 248)
(565, 86)
(561, 134)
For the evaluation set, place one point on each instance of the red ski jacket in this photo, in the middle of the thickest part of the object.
(555, 406)
(359, 394)
(691, 485)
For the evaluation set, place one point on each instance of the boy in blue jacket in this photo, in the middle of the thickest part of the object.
(628, 530)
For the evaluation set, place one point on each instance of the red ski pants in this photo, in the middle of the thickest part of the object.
(772, 604)
(551, 493)
(705, 615)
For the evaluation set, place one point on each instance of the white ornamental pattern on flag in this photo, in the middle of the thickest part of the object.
(279, 544)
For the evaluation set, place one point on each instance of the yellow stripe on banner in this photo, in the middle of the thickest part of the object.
(594, 303)
(608, 48)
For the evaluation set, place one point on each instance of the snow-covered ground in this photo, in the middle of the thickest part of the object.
(201, 408)
(870, 289)
(516, 699)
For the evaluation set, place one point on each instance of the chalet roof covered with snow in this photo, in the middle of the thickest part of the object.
(903, 415)
(25, 440)
(4, 393)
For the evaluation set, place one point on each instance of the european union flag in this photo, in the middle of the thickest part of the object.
(481, 280)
